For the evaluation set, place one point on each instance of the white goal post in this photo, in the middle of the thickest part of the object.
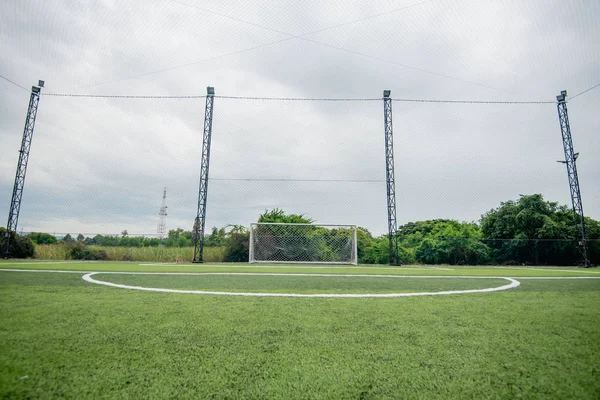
(302, 243)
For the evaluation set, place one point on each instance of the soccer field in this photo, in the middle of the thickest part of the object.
(82, 330)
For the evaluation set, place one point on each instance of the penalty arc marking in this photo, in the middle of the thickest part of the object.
(513, 283)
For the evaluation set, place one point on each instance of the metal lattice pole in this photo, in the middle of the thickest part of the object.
(17, 194)
(161, 228)
(199, 222)
(391, 186)
(570, 162)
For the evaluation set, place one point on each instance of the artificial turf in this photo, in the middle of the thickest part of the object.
(61, 337)
(442, 270)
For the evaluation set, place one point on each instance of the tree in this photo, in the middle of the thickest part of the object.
(42, 238)
(19, 246)
(378, 252)
(216, 238)
(237, 243)
(531, 231)
(454, 251)
(179, 238)
(444, 241)
(364, 239)
(593, 234)
(80, 238)
(67, 238)
(279, 216)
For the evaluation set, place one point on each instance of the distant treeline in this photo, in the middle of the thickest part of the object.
(175, 238)
(527, 231)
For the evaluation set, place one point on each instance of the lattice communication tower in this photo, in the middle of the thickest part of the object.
(162, 216)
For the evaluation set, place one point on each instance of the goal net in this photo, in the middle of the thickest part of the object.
(302, 243)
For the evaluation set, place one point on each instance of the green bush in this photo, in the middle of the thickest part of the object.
(79, 251)
(594, 252)
(454, 251)
(19, 246)
(378, 252)
(237, 243)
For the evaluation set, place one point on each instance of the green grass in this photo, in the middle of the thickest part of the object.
(443, 270)
(78, 340)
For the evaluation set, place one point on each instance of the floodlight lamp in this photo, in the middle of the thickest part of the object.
(386, 93)
(563, 93)
(210, 90)
(560, 98)
(35, 89)
(41, 84)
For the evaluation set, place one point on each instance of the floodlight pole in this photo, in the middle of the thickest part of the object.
(17, 194)
(200, 221)
(570, 162)
(391, 186)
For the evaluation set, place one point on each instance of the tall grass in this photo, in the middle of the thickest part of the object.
(51, 252)
(155, 254)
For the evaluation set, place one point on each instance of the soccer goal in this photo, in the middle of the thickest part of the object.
(302, 243)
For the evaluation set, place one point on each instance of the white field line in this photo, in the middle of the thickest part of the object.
(300, 274)
(294, 266)
(42, 270)
(291, 274)
(568, 270)
(512, 284)
(558, 277)
(575, 270)
(48, 262)
(294, 274)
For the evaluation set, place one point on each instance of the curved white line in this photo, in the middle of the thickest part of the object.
(513, 284)
(295, 274)
(296, 266)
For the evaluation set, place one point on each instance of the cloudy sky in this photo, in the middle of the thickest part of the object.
(99, 165)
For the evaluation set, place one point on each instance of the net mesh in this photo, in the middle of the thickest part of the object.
(104, 172)
(303, 243)
(99, 165)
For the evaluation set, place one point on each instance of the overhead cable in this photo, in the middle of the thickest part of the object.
(474, 101)
(14, 83)
(124, 96)
(304, 38)
(332, 99)
(297, 180)
(585, 91)
(291, 36)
